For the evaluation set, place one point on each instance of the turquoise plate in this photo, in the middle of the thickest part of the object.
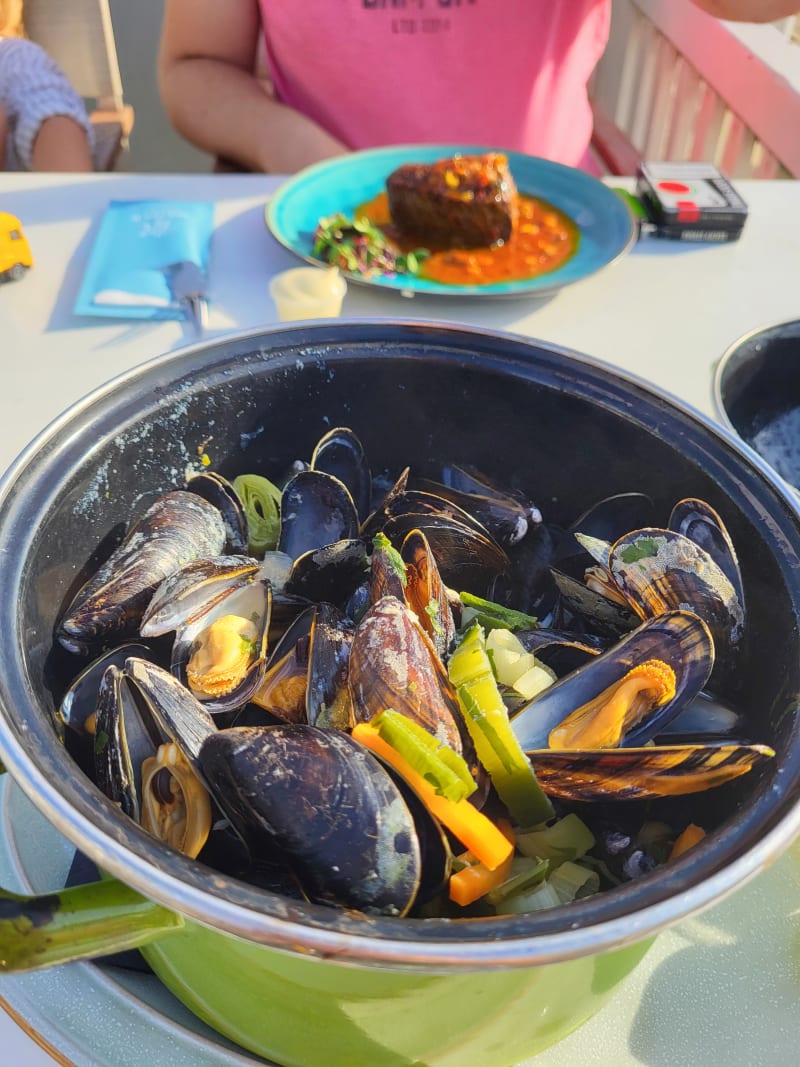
(607, 228)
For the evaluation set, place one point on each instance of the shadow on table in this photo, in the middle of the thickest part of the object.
(731, 995)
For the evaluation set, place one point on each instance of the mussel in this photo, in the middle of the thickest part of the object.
(178, 528)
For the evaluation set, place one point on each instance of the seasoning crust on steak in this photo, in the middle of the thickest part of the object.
(459, 202)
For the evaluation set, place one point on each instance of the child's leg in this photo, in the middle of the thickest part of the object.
(61, 145)
(3, 137)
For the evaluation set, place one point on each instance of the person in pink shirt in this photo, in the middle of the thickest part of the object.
(351, 74)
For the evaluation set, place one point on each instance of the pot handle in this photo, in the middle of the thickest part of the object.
(77, 923)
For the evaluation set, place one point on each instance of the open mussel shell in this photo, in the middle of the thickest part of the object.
(190, 591)
(698, 521)
(328, 804)
(473, 481)
(77, 712)
(466, 557)
(283, 688)
(316, 510)
(614, 516)
(221, 653)
(179, 715)
(78, 707)
(125, 736)
(340, 453)
(175, 805)
(400, 503)
(504, 518)
(643, 773)
(330, 573)
(218, 491)
(178, 528)
(426, 593)
(564, 652)
(679, 638)
(660, 570)
(593, 609)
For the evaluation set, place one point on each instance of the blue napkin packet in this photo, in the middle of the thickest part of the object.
(140, 246)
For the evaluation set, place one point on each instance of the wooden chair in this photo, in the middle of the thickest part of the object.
(79, 35)
(676, 84)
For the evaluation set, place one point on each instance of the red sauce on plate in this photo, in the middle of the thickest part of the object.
(544, 239)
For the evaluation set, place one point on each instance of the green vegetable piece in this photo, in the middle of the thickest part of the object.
(643, 548)
(495, 743)
(381, 543)
(526, 876)
(439, 764)
(490, 614)
(565, 840)
(572, 881)
(261, 501)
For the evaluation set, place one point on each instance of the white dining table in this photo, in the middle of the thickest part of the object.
(720, 988)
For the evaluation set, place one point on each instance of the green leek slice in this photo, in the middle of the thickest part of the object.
(489, 614)
(573, 882)
(495, 743)
(261, 501)
(567, 839)
(526, 875)
(438, 764)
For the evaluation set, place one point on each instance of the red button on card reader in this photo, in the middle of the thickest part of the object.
(688, 211)
(673, 187)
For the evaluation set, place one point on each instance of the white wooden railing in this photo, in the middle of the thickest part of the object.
(683, 86)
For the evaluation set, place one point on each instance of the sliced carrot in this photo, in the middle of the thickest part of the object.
(480, 835)
(690, 837)
(474, 881)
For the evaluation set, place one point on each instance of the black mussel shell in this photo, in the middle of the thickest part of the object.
(393, 664)
(330, 573)
(340, 453)
(218, 491)
(316, 510)
(504, 518)
(328, 804)
(698, 521)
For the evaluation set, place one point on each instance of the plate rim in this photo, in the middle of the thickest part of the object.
(529, 287)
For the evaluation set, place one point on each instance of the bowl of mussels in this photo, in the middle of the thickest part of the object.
(403, 681)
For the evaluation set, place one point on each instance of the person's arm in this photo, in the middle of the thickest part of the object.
(749, 10)
(213, 99)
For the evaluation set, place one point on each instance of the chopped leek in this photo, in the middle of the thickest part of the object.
(538, 899)
(525, 875)
(438, 764)
(515, 666)
(574, 882)
(261, 501)
(487, 721)
(489, 614)
(567, 839)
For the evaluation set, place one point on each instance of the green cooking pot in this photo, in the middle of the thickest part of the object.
(301, 983)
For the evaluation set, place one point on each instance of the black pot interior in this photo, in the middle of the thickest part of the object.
(759, 389)
(566, 430)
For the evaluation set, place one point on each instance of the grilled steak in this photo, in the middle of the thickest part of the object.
(460, 202)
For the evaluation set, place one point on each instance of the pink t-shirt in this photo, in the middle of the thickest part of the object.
(502, 73)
